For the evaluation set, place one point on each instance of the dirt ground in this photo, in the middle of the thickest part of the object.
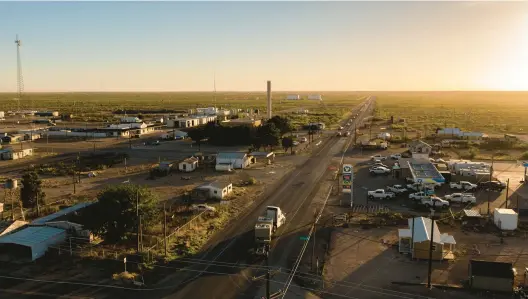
(360, 264)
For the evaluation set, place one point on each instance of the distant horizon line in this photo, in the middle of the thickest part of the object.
(261, 91)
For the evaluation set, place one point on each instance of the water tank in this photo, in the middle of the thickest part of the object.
(11, 184)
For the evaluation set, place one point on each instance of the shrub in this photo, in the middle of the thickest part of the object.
(473, 152)
(252, 181)
(524, 156)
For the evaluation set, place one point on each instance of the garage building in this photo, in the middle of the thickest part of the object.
(30, 243)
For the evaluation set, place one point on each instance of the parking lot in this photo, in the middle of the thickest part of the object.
(365, 181)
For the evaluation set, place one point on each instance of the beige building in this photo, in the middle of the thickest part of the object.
(416, 240)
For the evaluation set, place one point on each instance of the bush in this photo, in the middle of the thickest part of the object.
(252, 181)
(524, 156)
(473, 152)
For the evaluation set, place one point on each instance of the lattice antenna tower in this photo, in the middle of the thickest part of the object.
(20, 79)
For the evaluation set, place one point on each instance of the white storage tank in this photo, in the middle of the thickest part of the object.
(505, 219)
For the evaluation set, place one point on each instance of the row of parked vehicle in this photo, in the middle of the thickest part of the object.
(428, 198)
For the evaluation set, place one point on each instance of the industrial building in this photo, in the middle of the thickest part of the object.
(242, 122)
(190, 121)
(15, 154)
(293, 97)
(236, 160)
(459, 134)
(315, 97)
(417, 237)
(30, 243)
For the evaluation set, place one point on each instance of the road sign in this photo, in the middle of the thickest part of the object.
(124, 260)
(347, 168)
(346, 187)
(304, 238)
(347, 177)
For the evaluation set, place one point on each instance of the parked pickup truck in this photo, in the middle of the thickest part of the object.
(436, 201)
(380, 194)
(395, 156)
(418, 195)
(378, 157)
(463, 185)
(398, 189)
(461, 197)
(492, 185)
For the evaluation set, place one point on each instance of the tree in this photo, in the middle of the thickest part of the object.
(31, 190)
(287, 142)
(281, 123)
(114, 217)
(197, 135)
(269, 135)
(256, 143)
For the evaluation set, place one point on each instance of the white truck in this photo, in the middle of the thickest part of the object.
(463, 185)
(380, 194)
(265, 228)
(418, 195)
(398, 189)
(437, 202)
(461, 197)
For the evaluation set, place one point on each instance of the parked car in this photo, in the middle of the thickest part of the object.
(418, 195)
(296, 143)
(340, 128)
(379, 170)
(396, 156)
(378, 157)
(338, 134)
(492, 185)
(347, 134)
(380, 164)
(398, 189)
(437, 202)
(202, 208)
(463, 185)
(380, 194)
(461, 197)
(303, 139)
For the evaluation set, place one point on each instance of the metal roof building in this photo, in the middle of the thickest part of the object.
(32, 242)
(64, 212)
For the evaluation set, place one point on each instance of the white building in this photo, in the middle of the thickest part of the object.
(293, 97)
(188, 165)
(215, 190)
(2, 115)
(316, 97)
(207, 111)
(237, 160)
(130, 119)
(505, 219)
(191, 121)
(15, 154)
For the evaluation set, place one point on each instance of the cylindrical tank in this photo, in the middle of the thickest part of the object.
(11, 184)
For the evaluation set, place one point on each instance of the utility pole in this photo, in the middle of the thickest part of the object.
(137, 217)
(313, 243)
(20, 80)
(507, 191)
(431, 247)
(165, 227)
(38, 205)
(267, 279)
(490, 178)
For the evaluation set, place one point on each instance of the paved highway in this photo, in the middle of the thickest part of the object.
(216, 275)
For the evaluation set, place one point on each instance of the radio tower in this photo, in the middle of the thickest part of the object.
(20, 80)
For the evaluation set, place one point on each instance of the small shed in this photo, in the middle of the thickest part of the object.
(214, 190)
(270, 156)
(30, 243)
(418, 146)
(491, 276)
(505, 219)
(188, 165)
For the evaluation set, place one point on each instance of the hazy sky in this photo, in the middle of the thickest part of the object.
(178, 46)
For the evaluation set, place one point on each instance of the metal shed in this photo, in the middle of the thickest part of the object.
(64, 212)
(32, 242)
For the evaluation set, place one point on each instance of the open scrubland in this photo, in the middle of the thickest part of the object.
(487, 112)
(96, 107)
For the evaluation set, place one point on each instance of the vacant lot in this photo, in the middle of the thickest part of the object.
(360, 265)
(488, 112)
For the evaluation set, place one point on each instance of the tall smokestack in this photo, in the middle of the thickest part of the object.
(269, 99)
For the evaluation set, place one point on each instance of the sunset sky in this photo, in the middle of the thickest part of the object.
(320, 46)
